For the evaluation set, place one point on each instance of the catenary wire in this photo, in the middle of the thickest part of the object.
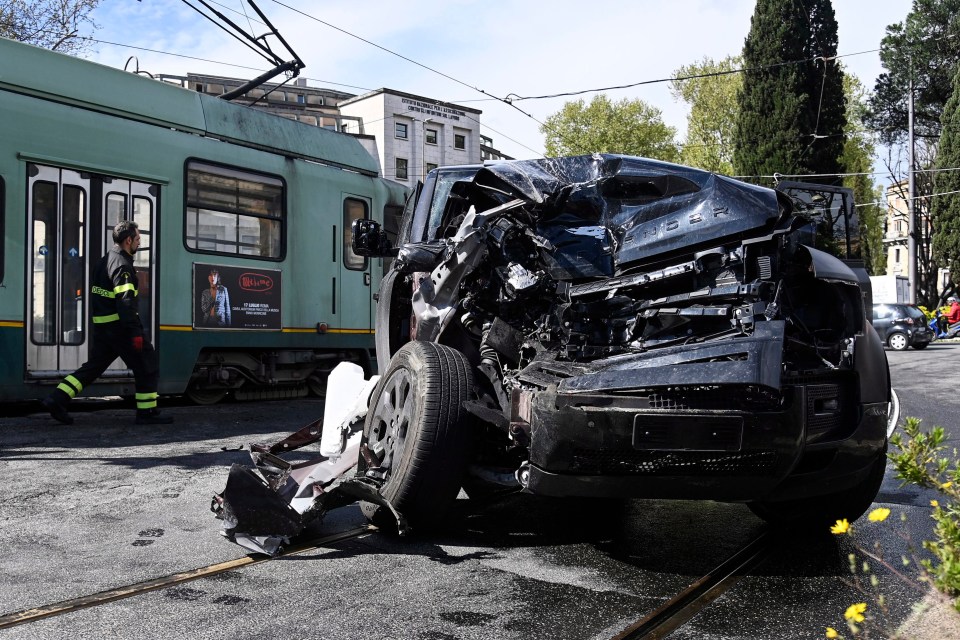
(420, 64)
(227, 64)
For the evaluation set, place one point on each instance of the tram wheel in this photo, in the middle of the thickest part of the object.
(206, 396)
(317, 384)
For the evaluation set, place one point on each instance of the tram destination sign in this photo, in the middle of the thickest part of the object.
(226, 297)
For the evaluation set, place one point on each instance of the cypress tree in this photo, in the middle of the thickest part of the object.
(945, 209)
(792, 116)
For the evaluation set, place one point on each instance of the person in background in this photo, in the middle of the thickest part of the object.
(117, 332)
(953, 315)
(215, 302)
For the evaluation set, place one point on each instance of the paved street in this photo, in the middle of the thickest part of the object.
(103, 504)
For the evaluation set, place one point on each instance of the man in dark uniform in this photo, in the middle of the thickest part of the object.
(117, 332)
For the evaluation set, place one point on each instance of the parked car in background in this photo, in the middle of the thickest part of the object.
(901, 326)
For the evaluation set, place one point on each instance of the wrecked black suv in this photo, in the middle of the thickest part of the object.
(615, 326)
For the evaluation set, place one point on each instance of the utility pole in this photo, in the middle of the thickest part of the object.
(912, 271)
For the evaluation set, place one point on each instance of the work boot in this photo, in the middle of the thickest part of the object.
(152, 416)
(57, 410)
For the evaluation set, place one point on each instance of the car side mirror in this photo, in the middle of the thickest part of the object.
(369, 239)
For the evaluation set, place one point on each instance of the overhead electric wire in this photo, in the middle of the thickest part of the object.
(419, 64)
(245, 43)
(694, 76)
(512, 97)
(922, 197)
(227, 64)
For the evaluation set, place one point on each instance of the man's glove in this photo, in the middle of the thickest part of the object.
(137, 343)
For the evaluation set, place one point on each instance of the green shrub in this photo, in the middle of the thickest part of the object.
(922, 459)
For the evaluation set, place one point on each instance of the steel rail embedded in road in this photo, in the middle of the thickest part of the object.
(112, 595)
(679, 609)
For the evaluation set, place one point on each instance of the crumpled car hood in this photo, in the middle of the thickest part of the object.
(628, 210)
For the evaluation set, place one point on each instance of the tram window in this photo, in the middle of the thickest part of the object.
(234, 212)
(142, 210)
(116, 206)
(73, 261)
(44, 303)
(353, 209)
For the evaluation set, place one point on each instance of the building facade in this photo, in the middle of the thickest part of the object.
(897, 231)
(414, 134)
(897, 234)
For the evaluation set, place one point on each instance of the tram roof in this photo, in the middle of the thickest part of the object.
(90, 85)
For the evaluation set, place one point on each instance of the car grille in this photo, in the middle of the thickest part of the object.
(682, 463)
(831, 404)
(726, 398)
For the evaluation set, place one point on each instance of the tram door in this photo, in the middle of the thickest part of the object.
(69, 215)
(355, 291)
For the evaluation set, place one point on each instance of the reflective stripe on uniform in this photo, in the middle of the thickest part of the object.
(113, 317)
(147, 400)
(102, 292)
(124, 287)
(70, 386)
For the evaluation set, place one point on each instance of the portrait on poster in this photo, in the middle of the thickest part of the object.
(227, 297)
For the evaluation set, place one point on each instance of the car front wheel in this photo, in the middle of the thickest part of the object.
(898, 341)
(418, 431)
(820, 512)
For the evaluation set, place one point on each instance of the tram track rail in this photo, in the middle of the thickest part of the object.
(659, 623)
(677, 611)
(37, 614)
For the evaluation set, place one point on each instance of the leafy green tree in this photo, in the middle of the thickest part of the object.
(53, 24)
(626, 126)
(713, 112)
(925, 45)
(945, 209)
(858, 152)
(792, 108)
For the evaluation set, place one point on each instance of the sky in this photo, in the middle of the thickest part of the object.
(500, 47)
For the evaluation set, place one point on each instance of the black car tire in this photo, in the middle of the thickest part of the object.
(920, 345)
(898, 341)
(819, 513)
(417, 415)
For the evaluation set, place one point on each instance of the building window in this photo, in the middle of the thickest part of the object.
(233, 212)
(353, 209)
(401, 172)
(459, 141)
(896, 255)
(431, 136)
(400, 130)
(431, 166)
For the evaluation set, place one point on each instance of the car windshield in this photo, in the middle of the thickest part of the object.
(445, 182)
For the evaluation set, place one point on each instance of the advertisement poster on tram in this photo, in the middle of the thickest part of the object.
(228, 297)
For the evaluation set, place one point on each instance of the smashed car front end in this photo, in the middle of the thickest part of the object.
(651, 330)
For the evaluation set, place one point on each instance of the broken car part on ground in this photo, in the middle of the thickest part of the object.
(619, 327)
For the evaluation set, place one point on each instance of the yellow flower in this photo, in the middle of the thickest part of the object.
(842, 526)
(855, 612)
(832, 633)
(934, 503)
(946, 485)
(879, 515)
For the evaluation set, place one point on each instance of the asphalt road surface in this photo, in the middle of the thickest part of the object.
(104, 504)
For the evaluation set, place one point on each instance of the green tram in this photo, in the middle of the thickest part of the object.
(247, 280)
